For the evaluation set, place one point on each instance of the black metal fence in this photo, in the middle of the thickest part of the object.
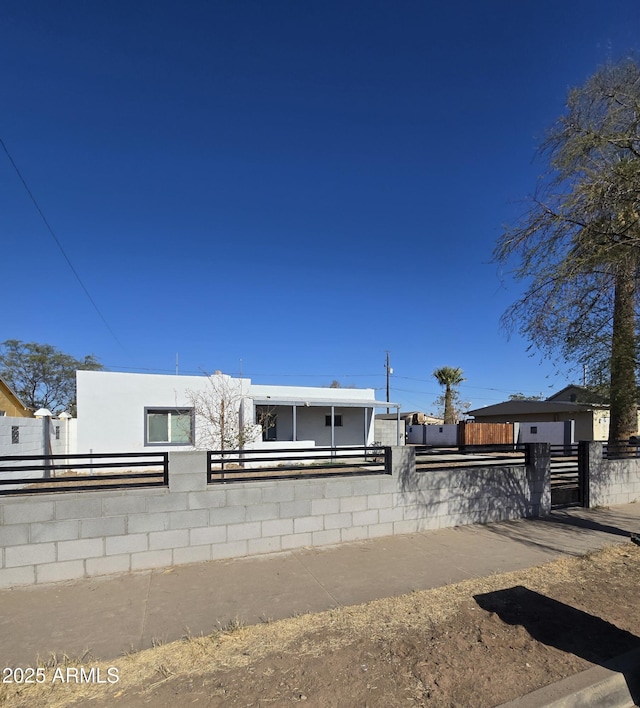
(295, 463)
(27, 474)
(620, 450)
(430, 458)
(567, 483)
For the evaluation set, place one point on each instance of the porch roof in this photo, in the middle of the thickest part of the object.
(327, 402)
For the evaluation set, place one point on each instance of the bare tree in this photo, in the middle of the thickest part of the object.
(266, 418)
(221, 418)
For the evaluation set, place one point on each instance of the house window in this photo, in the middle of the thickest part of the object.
(534, 430)
(337, 421)
(15, 434)
(168, 426)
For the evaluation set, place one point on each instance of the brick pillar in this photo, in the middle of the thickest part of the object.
(401, 460)
(187, 471)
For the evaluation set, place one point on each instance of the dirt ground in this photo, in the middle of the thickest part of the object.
(478, 643)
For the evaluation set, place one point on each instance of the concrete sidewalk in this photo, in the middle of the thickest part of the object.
(108, 616)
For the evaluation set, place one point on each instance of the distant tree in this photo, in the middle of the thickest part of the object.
(43, 376)
(449, 377)
(522, 397)
(577, 246)
(336, 384)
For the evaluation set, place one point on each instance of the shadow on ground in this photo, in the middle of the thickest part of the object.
(573, 525)
(564, 627)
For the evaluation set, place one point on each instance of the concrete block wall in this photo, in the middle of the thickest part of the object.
(30, 432)
(31, 436)
(63, 536)
(436, 435)
(389, 432)
(612, 482)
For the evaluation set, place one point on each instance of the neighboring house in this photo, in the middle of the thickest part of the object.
(571, 403)
(10, 404)
(123, 412)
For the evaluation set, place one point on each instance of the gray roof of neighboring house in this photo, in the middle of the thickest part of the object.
(524, 407)
(577, 394)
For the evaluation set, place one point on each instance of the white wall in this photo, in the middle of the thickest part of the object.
(31, 436)
(111, 407)
(30, 433)
(311, 393)
(436, 435)
(31, 441)
(559, 433)
(311, 425)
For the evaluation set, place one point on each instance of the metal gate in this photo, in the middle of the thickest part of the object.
(568, 478)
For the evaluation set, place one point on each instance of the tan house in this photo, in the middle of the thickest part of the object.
(573, 402)
(10, 404)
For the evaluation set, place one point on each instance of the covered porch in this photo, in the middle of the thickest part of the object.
(328, 423)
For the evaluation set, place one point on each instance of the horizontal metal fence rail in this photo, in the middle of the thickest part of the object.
(295, 463)
(59, 473)
(564, 473)
(620, 450)
(429, 458)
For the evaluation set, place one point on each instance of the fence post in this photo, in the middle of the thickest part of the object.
(188, 471)
(387, 461)
(538, 462)
(400, 461)
(584, 465)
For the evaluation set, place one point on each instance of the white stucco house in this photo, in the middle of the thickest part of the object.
(125, 412)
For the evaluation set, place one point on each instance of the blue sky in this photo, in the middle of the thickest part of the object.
(288, 187)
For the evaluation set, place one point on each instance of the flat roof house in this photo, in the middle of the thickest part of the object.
(124, 412)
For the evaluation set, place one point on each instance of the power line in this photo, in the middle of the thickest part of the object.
(465, 386)
(55, 238)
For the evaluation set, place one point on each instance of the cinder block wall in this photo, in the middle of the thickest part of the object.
(612, 482)
(52, 537)
(29, 436)
(387, 432)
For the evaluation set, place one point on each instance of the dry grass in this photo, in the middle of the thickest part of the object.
(311, 635)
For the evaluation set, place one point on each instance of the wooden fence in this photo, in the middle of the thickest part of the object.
(485, 434)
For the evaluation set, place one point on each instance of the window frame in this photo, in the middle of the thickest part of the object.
(169, 410)
(337, 420)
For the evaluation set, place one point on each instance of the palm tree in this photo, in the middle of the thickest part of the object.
(448, 376)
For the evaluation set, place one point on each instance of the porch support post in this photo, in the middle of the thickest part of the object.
(295, 421)
(333, 436)
(366, 410)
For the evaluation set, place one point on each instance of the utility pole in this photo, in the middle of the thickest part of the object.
(389, 372)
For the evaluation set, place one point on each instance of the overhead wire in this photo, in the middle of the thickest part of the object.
(58, 244)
